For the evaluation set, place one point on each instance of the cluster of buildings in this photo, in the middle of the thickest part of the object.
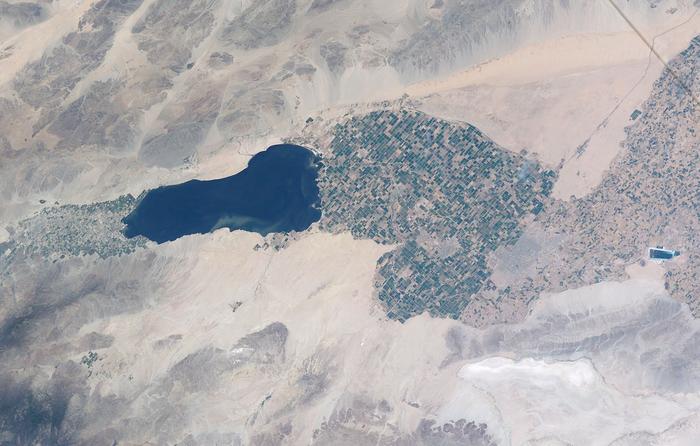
(649, 195)
(71, 230)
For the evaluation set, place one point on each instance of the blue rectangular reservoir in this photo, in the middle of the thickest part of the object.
(661, 254)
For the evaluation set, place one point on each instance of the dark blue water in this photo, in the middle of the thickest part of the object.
(277, 192)
(661, 254)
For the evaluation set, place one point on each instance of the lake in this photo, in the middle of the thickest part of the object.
(277, 192)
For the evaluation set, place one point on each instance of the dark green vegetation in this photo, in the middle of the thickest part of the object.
(457, 204)
(444, 192)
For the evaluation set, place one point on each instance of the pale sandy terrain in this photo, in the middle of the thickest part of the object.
(25, 45)
(543, 61)
(319, 288)
(551, 117)
(554, 97)
(547, 97)
(523, 381)
(213, 339)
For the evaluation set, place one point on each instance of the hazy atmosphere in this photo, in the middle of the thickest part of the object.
(350, 222)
